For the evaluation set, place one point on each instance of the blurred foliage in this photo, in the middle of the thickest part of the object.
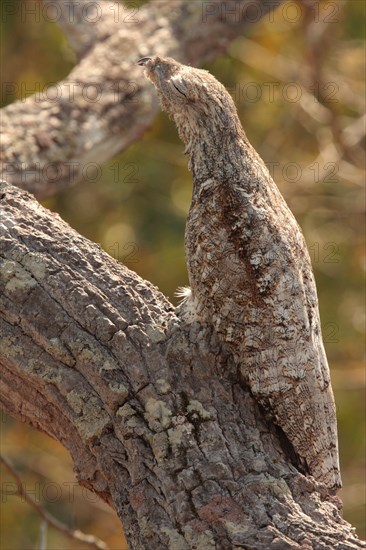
(299, 88)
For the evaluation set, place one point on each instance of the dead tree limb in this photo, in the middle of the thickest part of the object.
(151, 410)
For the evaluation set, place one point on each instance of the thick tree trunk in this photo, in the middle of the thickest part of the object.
(152, 410)
(150, 407)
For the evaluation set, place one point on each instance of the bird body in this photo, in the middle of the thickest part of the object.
(249, 268)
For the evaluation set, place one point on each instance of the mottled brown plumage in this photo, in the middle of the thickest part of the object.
(249, 269)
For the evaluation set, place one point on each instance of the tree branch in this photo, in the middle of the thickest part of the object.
(86, 23)
(74, 534)
(153, 412)
(105, 103)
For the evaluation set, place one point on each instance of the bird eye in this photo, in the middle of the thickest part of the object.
(178, 90)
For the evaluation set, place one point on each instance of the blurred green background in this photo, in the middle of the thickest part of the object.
(298, 82)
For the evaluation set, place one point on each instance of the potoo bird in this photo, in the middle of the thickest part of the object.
(249, 269)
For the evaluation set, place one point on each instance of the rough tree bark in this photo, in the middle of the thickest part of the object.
(152, 410)
(105, 103)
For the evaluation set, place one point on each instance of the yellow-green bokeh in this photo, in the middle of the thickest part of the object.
(136, 209)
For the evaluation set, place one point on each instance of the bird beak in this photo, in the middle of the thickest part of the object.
(143, 61)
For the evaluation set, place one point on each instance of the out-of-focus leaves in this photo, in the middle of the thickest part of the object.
(136, 204)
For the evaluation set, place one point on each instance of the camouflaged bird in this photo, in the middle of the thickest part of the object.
(249, 268)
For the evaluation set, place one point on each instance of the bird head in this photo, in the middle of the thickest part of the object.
(193, 98)
(176, 83)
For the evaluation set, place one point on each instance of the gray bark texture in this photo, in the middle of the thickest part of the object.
(151, 406)
(152, 409)
(105, 103)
